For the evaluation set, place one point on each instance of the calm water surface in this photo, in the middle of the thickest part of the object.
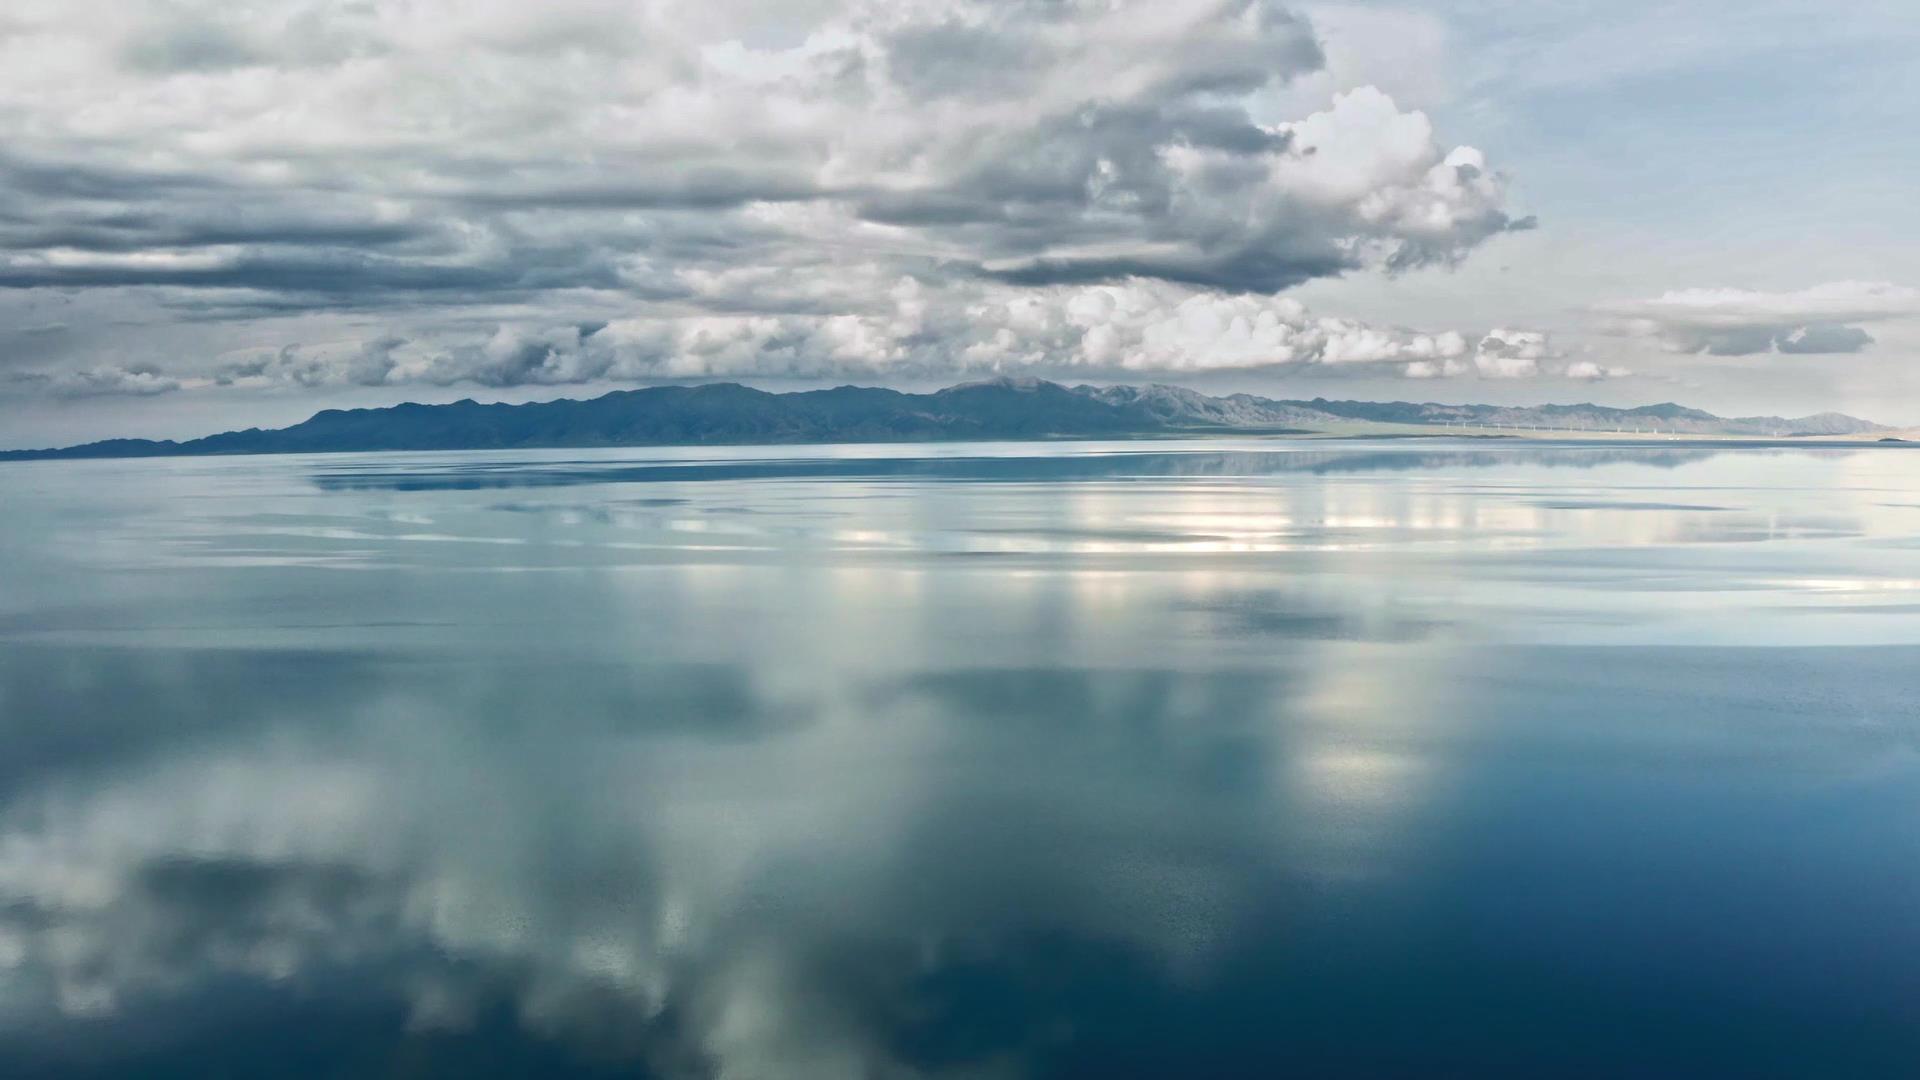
(1171, 759)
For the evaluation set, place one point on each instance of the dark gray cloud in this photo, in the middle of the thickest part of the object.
(322, 272)
(1818, 338)
(188, 47)
(1239, 267)
(80, 181)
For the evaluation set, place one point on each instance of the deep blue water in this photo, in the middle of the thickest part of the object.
(1245, 758)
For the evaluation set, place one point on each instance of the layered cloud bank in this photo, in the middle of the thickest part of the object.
(1092, 331)
(1741, 322)
(501, 194)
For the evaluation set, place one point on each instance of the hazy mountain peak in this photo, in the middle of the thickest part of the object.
(1004, 407)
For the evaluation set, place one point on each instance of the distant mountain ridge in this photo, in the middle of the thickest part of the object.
(1004, 408)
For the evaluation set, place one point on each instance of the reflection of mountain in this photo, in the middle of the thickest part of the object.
(1053, 468)
(727, 413)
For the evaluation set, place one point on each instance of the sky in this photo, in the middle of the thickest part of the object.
(219, 215)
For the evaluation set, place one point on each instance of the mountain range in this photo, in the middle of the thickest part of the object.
(1005, 408)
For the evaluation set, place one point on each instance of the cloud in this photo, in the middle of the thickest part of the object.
(186, 46)
(1741, 322)
(1123, 332)
(446, 162)
(1361, 183)
(1119, 332)
(1592, 371)
(137, 380)
(369, 363)
(1505, 353)
(1511, 354)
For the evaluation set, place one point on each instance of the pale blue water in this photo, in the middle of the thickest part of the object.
(1225, 758)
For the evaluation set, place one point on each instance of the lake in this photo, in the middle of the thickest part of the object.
(1215, 758)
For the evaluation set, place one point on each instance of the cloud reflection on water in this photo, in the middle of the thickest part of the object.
(1203, 773)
